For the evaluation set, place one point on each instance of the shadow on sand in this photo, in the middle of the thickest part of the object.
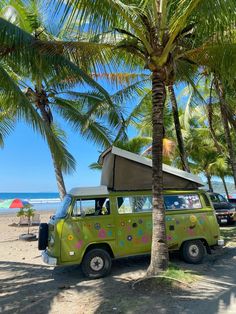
(26, 288)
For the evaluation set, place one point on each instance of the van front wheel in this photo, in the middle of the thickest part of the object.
(96, 263)
(193, 251)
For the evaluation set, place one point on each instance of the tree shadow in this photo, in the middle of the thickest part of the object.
(212, 294)
(26, 288)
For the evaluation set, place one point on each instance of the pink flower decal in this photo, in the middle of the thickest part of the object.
(145, 239)
(102, 233)
(169, 238)
(191, 231)
(79, 244)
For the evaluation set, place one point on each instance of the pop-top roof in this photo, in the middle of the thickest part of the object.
(123, 170)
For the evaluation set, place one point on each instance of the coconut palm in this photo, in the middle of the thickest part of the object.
(155, 35)
(48, 91)
(220, 168)
(226, 115)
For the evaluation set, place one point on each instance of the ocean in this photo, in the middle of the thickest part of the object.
(39, 200)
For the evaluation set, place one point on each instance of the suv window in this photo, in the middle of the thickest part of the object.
(134, 204)
(92, 207)
(186, 201)
(221, 198)
(214, 198)
(217, 198)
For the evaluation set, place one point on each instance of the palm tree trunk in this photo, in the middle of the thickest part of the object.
(209, 182)
(47, 118)
(59, 178)
(159, 251)
(179, 136)
(225, 186)
(232, 157)
(211, 128)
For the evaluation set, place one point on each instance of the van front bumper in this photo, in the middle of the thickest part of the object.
(221, 242)
(47, 259)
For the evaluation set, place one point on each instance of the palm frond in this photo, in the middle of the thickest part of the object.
(89, 128)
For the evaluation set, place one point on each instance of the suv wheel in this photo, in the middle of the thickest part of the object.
(193, 251)
(96, 263)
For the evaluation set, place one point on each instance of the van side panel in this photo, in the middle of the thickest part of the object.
(80, 232)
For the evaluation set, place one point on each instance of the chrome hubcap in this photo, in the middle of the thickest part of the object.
(194, 250)
(96, 263)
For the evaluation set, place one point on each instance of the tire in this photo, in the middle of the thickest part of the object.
(27, 237)
(193, 251)
(96, 263)
(43, 236)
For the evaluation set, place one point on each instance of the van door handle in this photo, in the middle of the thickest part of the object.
(110, 226)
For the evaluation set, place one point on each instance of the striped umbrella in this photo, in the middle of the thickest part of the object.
(13, 203)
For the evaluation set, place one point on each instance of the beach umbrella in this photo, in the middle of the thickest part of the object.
(13, 203)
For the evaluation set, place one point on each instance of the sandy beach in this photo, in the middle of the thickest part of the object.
(29, 286)
(11, 248)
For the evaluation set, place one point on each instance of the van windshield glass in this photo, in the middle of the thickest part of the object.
(62, 209)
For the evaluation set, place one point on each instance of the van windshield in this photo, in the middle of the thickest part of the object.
(62, 209)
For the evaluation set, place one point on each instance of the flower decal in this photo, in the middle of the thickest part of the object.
(79, 244)
(102, 233)
(129, 238)
(97, 226)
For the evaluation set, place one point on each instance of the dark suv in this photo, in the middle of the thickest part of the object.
(225, 212)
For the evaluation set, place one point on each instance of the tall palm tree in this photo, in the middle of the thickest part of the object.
(49, 90)
(179, 136)
(220, 168)
(226, 124)
(156, 33)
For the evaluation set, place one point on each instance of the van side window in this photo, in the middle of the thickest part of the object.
(134, 204)
(186, 201)
(92, 207)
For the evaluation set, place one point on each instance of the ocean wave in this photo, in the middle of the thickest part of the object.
(43, 200)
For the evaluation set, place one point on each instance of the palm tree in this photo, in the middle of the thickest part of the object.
(202, 152)
(155, 35)
(221, 169)
(48, 91)
(179, 136)
(226, 124)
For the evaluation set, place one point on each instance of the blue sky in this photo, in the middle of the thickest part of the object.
(26, 166)
(25, 160)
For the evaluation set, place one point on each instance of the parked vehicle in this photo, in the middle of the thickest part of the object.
(95, 225)
(232, 201)
(225, 211)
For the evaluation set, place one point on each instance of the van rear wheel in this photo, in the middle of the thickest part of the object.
(193, 251)
(96, 263)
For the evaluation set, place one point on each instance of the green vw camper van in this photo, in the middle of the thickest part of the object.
(96, 224)
(93, 226)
